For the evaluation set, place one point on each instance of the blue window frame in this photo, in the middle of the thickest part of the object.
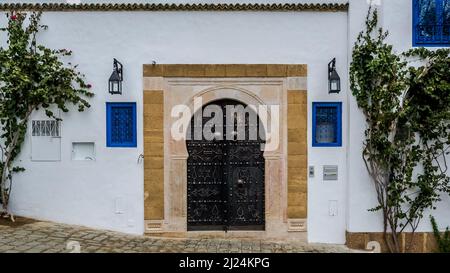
(327, 124)
(431, 23)
(121, 124)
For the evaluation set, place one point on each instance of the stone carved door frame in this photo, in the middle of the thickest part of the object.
(250, 90)
(176, 217)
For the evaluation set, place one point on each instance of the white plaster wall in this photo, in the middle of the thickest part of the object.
(85, 192)
(395, 16)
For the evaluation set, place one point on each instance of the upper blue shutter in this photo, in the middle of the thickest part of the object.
(446, 19)
(431, 22)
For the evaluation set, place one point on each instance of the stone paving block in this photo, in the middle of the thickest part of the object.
(4, 248)
(46, 237)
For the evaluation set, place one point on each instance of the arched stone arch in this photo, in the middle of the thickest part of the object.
(220, 92)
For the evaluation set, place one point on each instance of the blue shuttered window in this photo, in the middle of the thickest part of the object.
(327, 124)
(121, 125)
(431, 22)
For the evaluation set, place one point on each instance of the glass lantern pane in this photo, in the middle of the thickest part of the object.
(334, 85)
(115, 86)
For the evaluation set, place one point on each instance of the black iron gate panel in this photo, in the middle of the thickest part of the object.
(205, 187)
(225, 181)
(245, 181)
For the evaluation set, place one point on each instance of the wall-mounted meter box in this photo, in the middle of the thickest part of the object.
(330, 172)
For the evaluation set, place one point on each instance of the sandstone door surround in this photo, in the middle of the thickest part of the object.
(165, 167)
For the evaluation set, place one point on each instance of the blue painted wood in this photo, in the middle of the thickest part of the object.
(431, 23)
(327, 124)
(121, 125)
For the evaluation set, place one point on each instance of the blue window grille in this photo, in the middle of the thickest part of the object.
(431, 22)
(327, 124)
(121, 125)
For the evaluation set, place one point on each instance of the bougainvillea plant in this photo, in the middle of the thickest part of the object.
(32, 77)
(405, 98)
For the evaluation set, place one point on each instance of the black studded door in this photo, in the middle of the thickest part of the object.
(225, 183)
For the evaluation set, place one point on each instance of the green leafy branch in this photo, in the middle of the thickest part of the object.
(32, 77)
(405, 99)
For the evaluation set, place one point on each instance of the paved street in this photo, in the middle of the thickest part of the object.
(36, 237)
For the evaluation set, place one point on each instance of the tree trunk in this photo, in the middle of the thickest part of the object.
(5, 196)
(8, 161)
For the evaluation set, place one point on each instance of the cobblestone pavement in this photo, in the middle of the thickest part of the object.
(49, 237)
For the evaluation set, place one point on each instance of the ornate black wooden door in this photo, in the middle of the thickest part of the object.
(225, 188)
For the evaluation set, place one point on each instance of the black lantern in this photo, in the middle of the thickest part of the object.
(334, 81)
(115, 81)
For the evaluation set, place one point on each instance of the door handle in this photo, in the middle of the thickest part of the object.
(240, 183)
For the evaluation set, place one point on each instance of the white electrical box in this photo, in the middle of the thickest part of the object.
(119, 205)
(333, 207)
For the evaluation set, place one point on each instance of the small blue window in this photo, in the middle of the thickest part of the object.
(431, 23)
(327, 124)
(121, 124)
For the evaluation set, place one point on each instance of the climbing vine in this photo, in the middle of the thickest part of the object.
(442, 239)
(32, 77)
(405, 98)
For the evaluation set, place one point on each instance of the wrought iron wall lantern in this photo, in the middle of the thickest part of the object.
(334, 81)
(115, 81)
